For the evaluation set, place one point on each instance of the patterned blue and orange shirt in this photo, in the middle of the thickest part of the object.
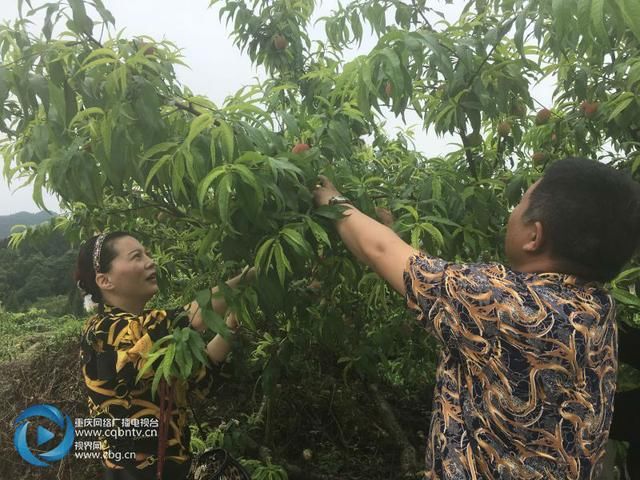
(527, 372)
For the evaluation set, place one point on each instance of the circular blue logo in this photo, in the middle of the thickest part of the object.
(43, 435)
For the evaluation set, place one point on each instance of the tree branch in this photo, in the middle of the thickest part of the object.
(408, 454)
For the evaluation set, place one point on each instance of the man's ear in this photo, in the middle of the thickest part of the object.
(103, 281)
(535, 238)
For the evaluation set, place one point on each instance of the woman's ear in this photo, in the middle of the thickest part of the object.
(103, 281)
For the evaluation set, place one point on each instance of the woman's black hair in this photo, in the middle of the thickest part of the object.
(590, 213)
(85, 274)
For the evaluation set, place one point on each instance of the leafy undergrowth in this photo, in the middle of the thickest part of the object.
(314, 427)
(315, 424)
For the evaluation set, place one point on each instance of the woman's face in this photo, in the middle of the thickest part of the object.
(133, 272)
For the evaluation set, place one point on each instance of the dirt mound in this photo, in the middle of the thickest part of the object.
(52, 376)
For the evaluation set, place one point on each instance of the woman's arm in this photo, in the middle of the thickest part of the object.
(218, 348)
(218, 304)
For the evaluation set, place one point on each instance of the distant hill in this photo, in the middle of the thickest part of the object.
(21, 218)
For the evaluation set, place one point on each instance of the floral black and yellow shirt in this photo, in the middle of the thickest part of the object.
(527, 374)
(113, 350)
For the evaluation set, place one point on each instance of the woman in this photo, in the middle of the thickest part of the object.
(117, 274)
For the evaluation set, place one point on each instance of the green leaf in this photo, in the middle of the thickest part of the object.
(441, 220)
(197, 346)
(214, 322)
(436, 188)
(150, 359)
(277, 165)
(99, 52)
(213, 147)
(625, 297)
(104, 13)
(332, 212)
(188, 362)
(159, 148)
(168, 361)
(628, 274)
(81, 21)
(156, 381)
(47, 28)
(97, 63)
(415, 237)
(622, 102)
(631, 13)
(318, 232)
(85, 113)
(223, 192)
(155, 169)
(250, 179)
(226, 137)
(597, 20)
(207, 181)
(282, 263)
(434, 232)
(412, 211)
(261, 255)
(297, 242)
(57, 105)
(198, 125)
(207, 241)
(181, 360)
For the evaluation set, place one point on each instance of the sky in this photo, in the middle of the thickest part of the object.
(217, 68)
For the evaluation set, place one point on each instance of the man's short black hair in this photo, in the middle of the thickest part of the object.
(590, 213)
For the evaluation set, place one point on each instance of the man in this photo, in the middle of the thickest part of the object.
(527, 374)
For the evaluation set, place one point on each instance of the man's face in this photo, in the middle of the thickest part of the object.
(519, 233)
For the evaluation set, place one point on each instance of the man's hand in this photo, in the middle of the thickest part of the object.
(324, 191)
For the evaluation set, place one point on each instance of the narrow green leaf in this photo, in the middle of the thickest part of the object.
(629, 274)
(198, 125)
(96, 63)
(155, 169)
(168, 361)
(597, 20)
(207, 181)
(415, 237)
(297, 242)
(625, 297)
(99, 52)
(81, 21)
(85, 113)
(631, 13)
(261, 255)
(434, 232)
(150, 359)
(223, 193)
(318, 232)
(159, 148)
(623, 102)
(282, 263)
(226, 138)
(156, 381)
(214, 322)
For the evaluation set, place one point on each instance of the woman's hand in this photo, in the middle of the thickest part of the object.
(248, 275)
